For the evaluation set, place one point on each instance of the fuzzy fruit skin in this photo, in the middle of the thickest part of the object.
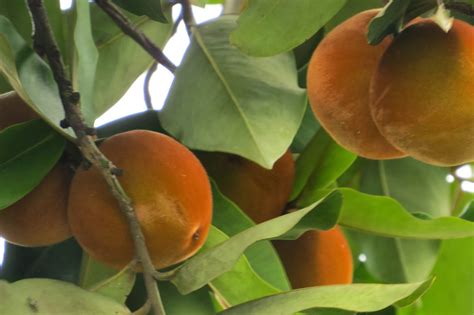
(169, 189)
(338, 82)
(422, 93)
(317, 258)
(40, 217)
(261, 193)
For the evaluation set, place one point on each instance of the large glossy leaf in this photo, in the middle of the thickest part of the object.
(258, 103)
(351, 8)
(28, 152)
(355, 297)
(269, 27)
(53, 297)
(209, 264)
(121, 60)
(262, 256)
(94, 272)
(30, 76)
(86, 59)
(319, 165)
(308, 128)
(419, 188)
(453, 289)
(385, 216)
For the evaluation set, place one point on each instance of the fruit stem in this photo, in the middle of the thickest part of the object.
(44, 43)
(135, 33)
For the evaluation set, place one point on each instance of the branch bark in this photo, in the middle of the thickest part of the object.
(45, 43)
(136, 34)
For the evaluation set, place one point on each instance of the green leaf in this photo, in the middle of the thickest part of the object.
(209, 264)
(241, 283)
(93, 272)
(385, 216)
(355, 297)
(262, 256)
(394, 15)
(152, 9)
(53, 297)
(351, 8)
(318, 166)
(17, 12)
(308, 128)
(30, 76)
(147, 120)
(269, 27)
(453, 289)
(420, 188)
(86, 59)
(28, 152)
(258, 101)
(118, 286)
(121, 59)
(196, 303)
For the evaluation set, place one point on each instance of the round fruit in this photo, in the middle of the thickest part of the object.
(171, 195)
(317, 258)
(40, 217)
(261, 193)
(422, 93)
(338, 82)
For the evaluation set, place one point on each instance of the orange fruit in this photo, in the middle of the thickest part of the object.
(261, 193)
(422, 93)
(39, 218)
(317, 258)
(338, 82)
(170, 192)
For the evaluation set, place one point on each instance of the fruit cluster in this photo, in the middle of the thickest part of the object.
(167, 183)
(172, 198)
(411, 95)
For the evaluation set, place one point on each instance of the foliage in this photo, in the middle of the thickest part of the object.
(240, 89)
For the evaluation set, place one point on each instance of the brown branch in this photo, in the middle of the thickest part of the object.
(136, 34)
(188, 16)
(462, 7)
(146, 86)
(44, 41)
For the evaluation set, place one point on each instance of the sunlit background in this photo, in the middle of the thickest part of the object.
(133, 100)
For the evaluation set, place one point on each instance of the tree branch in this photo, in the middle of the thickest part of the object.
(45, 43)
(136, 34)
(188, 16)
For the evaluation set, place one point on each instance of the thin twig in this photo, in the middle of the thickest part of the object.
(136, 34)
(44, 42)
(188, 16)
(146, 86)
(462, 7)
(176, 23)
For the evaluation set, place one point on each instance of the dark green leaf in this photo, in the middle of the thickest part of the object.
(269, 27)
(28, 152)
(308, 128)
(152, 9)
(258, 101)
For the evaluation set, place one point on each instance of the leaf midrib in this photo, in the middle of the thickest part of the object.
(25, 152)
(215, 67)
